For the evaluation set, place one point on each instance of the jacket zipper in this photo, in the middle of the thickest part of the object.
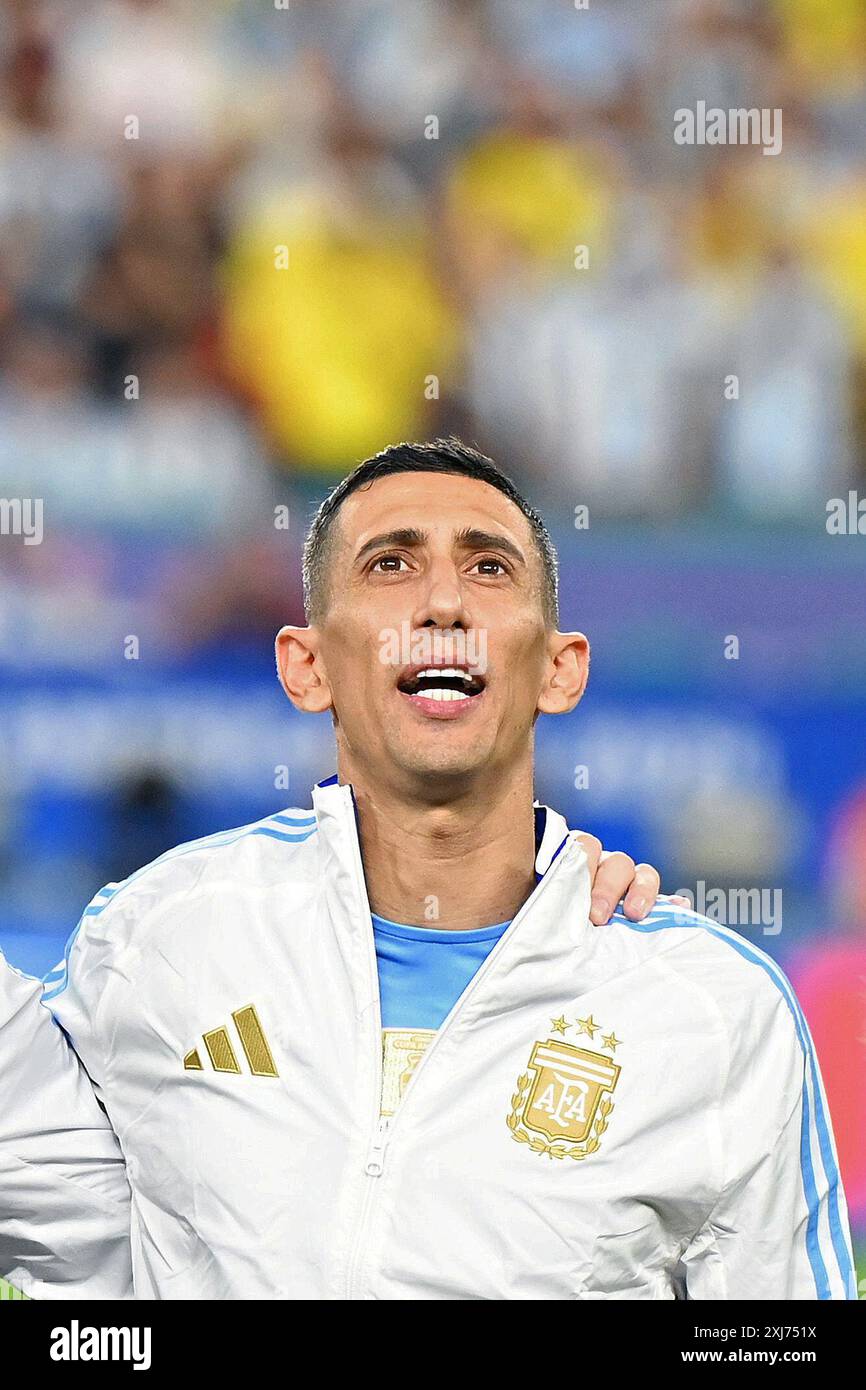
(486, 965)
(374, 1165)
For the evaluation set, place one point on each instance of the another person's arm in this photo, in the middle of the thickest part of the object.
(64, 1197)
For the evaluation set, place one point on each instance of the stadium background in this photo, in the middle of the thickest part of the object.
(174, 390)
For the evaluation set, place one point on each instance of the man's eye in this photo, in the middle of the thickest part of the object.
(387, 564)
(490, 565)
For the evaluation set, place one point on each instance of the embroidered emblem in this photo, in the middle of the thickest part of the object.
(221, 1052)
(562, 1102)
(402, 1050)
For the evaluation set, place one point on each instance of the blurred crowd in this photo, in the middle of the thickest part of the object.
(246, 238)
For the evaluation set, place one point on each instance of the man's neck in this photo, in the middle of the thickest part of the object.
(468, 863)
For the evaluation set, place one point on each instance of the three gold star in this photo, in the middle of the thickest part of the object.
(587, 1026)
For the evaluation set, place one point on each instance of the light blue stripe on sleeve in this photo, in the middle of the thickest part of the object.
(659, 922)
(58, 978)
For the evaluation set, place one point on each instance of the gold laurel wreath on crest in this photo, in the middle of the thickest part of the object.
(557, 1149)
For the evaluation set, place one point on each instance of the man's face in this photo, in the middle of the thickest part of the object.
(433, 572)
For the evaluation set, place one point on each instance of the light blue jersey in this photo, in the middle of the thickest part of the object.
(423, 971)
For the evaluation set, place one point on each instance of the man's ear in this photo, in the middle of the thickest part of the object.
(567, 673)
(301, 669)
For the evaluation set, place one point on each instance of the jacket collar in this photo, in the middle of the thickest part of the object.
(334, 804)
(554, 920)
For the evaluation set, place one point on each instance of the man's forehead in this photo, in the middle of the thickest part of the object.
(435, 503)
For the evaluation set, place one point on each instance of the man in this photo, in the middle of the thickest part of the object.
(378, 1050)
(64, 1191)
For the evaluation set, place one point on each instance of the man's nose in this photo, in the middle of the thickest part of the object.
(443, 602)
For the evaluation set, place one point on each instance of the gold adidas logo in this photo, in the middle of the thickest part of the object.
(222, 1054)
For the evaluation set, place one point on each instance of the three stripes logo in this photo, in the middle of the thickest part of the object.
(221, 1052)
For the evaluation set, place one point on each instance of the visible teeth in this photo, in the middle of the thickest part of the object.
(440, 693)
(434, 672)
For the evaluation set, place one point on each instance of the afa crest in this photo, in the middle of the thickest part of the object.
(562, 1103)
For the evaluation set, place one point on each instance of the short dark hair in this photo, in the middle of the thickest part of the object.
(439, 456)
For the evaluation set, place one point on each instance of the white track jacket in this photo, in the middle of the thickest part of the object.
(630, 1111)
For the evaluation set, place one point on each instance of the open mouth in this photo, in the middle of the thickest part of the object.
(445, 684)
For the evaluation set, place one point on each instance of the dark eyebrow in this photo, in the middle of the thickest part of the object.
(407, 536)
(471, 539)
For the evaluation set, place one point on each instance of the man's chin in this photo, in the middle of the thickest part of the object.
(444, 769)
